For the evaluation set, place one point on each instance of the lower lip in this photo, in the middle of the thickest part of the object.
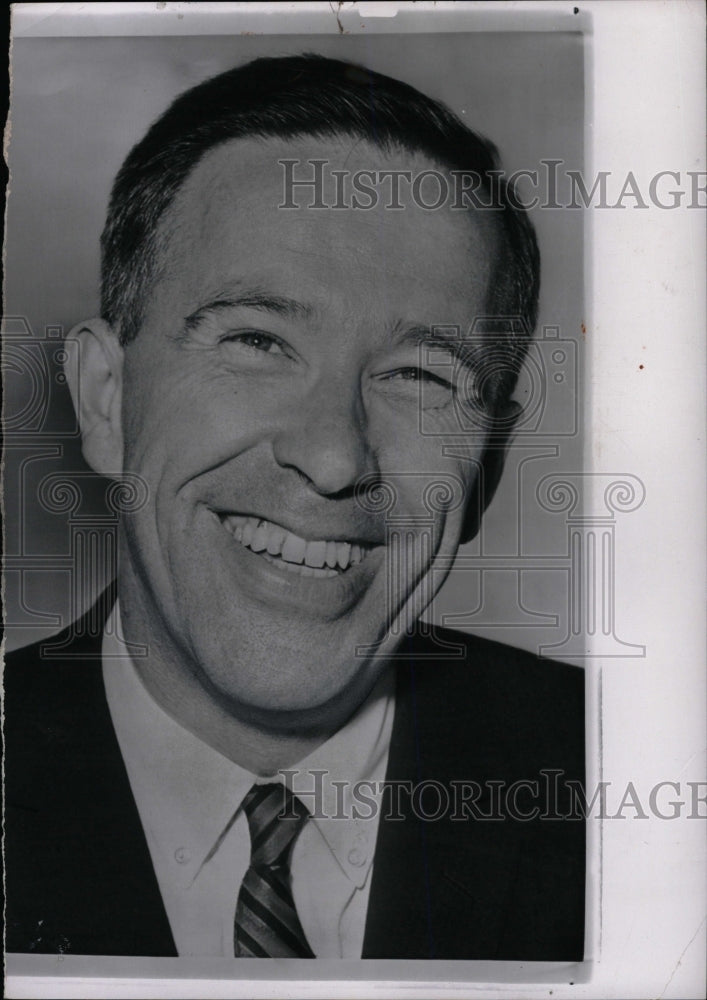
(317, 597)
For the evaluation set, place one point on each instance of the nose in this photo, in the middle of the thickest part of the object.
(326, 439)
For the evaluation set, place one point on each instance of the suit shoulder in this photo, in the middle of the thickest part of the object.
(59, 662)
(50, 684)
(76, 646)
(498, 696)
(465, 650)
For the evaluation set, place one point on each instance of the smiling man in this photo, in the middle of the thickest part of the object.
(242, 765)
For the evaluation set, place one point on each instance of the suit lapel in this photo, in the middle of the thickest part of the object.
(398, 918)
(440, 888)
(80, 877)
(134, 918)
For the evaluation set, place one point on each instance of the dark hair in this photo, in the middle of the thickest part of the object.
(290, 97)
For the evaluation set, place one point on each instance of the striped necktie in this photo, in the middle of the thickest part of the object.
(267, 925)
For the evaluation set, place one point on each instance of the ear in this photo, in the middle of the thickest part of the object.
(94, 373)
(492, 464)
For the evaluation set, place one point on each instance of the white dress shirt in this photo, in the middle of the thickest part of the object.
(189, 796)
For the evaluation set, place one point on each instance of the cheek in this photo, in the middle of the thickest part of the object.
(427, 466)
(431, 487)
(189, 420)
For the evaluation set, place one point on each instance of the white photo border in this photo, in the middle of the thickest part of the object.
(645, 322)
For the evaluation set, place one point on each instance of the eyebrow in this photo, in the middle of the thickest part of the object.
(279, 305)
(464, 352)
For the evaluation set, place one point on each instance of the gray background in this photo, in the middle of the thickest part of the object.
(78, 105)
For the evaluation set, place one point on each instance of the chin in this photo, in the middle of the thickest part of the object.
(288, 675)
(293, 708)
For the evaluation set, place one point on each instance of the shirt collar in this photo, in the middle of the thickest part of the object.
(357, 753)
(188, 793)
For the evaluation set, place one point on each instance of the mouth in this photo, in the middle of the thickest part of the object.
(321, 558)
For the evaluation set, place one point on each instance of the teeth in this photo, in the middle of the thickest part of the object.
(294, 548)
(259, 537)
(300, 570)
(307, 558)
(315, 554)
(275, 540)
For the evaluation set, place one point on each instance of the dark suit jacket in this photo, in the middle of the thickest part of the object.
(79, 874)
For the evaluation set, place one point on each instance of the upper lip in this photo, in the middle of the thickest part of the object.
(310, 534)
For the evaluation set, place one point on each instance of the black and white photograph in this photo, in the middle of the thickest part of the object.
(333, 503)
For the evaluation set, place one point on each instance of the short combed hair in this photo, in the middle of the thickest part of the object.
(291, 97)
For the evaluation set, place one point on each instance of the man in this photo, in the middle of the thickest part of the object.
(280, 378)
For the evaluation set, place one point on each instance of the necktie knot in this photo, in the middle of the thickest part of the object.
(275, 817)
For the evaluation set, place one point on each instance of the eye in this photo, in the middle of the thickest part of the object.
(420, 375)
(418, 386)
(256, 341)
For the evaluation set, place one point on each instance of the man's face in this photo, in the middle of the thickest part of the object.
(278, 363)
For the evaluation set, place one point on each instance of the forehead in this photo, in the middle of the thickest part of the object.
(227, 222)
